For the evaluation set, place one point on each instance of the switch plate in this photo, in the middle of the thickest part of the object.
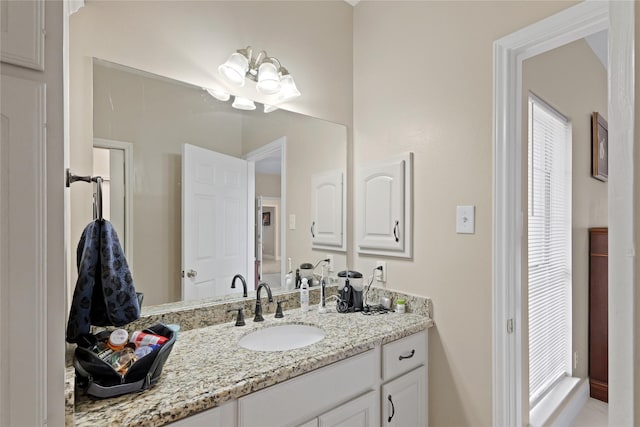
(330, 258)
(381, 276)
(465, 219)
(292, 222)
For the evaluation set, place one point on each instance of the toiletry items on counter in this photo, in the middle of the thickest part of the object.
(304, 295)
(114, 363)
(401, 306)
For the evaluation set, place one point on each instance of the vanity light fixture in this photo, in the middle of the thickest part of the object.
(269, 108)
(270, 76)
(243, 103)
(219, 94)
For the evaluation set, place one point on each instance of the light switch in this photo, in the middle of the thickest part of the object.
(292, 222)
(465, 219)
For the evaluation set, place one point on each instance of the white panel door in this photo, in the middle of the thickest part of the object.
(23, 246)
(214, 222)
(359, 412)
(381, 202)
(327, 210)
(404, 400)
(22, 33)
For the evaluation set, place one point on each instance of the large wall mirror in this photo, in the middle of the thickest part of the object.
(154, 134)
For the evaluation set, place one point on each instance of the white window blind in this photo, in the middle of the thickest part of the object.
(549, 243)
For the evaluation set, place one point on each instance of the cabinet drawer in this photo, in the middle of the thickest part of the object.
(403, 355)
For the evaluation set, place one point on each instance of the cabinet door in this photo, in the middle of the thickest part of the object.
(22, 33)
(327, 210)
(383, 193)
(404, 400)
(360, 412)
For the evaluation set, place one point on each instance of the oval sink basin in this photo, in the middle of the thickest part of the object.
(281, 337)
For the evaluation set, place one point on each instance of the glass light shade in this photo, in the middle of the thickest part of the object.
(219, 94)
(288, 89)
(243, 103)
(269, 108)
(268, 79)
(235, 68)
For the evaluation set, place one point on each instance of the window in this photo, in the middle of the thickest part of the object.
(549, 244)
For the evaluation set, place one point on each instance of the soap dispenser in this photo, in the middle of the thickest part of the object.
(304, 295)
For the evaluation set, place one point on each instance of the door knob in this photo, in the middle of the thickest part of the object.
(191, 274)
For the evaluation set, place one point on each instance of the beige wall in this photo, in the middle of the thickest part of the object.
(573, 81)
(267, 185)
(313, 146)
(423, 83)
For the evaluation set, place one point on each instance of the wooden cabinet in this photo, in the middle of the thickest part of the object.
(404, 400)
(328, 219)
(383, 203)
(598, 313)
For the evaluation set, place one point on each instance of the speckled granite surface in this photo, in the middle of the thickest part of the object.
(207, 367)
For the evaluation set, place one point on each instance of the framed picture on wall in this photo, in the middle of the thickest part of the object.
(266, 218)
(599, 148)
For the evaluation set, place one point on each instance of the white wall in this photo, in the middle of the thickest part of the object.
(423, 83)
(573, 81)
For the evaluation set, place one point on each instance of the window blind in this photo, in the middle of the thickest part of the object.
(549, 244)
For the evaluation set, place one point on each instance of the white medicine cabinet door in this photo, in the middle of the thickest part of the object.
(404, 400)
(22, 33)
(383, 200)
(359, 412)
(328, 220)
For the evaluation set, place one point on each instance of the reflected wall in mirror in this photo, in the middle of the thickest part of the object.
(157, 116)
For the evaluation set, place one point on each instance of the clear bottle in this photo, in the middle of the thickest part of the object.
(304, 295)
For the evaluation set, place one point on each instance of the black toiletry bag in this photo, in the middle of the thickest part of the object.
(98, 378)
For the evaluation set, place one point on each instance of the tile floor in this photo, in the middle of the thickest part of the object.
(594, 414)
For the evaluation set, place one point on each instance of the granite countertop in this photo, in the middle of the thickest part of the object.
(207, 367)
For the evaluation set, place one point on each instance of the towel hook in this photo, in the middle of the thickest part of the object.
(97, 196)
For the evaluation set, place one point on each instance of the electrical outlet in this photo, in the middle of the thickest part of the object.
(292, 222)
(330, 264)
(381, 276)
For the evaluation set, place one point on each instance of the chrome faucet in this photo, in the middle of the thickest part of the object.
(258, 311)
(244, 284)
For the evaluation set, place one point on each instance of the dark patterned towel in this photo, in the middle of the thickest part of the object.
(104, 294)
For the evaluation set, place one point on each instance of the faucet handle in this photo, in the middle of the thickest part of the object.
(279, 313)
(240, 318)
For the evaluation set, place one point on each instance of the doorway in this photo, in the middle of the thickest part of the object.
(267, 175)
(509, 52)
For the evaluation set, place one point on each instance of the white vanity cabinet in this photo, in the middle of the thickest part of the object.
(383, 207)
(404, 389)
(295, 402)
(221, 416)
(328, 221)
(384, 386)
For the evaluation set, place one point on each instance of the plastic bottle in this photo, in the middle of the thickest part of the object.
(304, 295)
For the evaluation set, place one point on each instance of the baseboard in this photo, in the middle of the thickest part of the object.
(574, 404)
